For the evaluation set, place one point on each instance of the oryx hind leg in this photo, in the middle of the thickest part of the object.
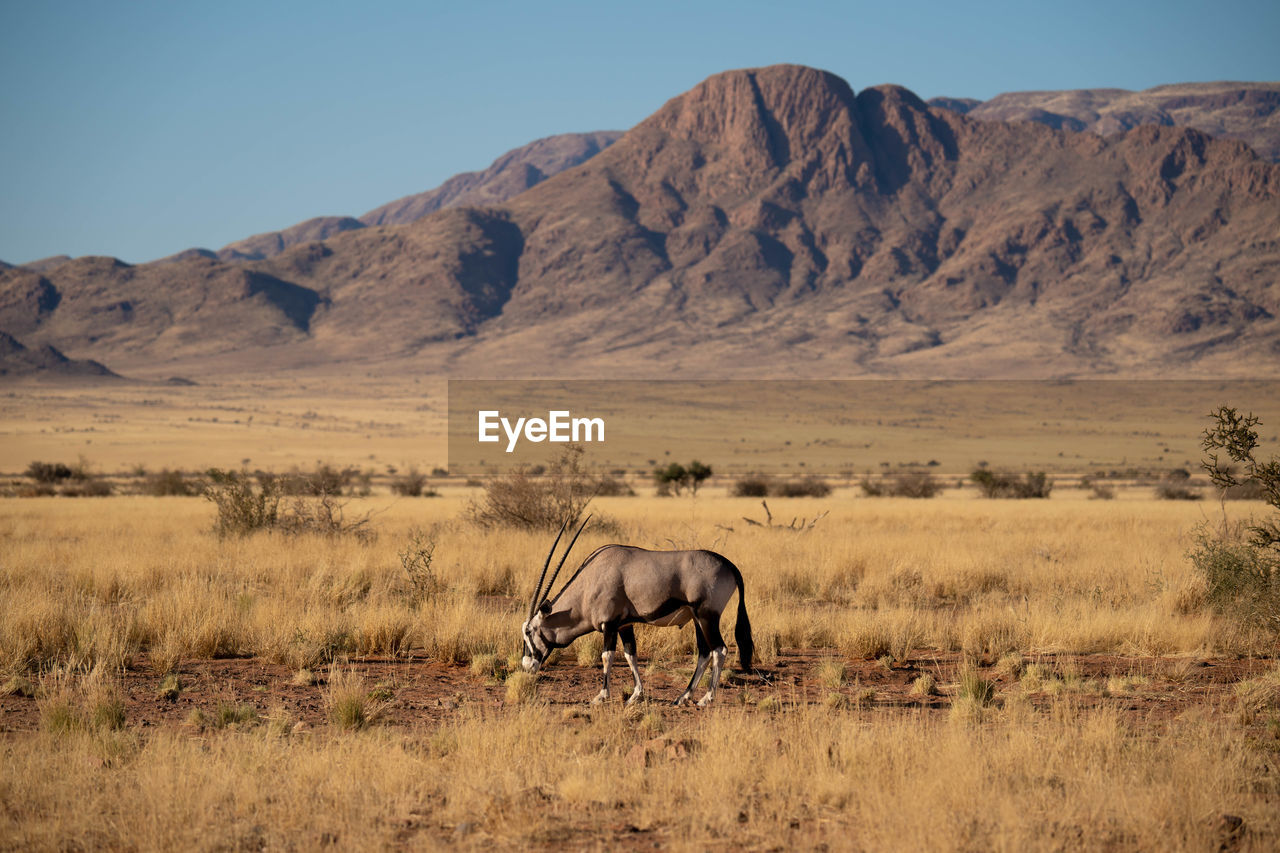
(628, 636)
(606, 658)
(711, 627)
(704, 655)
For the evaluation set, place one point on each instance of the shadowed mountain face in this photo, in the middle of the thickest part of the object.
(17, 360)
(1249, 112)
(768, 222)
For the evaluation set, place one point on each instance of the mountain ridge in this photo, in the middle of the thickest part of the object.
(766, 222)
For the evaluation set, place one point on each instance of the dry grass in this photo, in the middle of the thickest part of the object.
(1067, 778)
(89, 589)
(987, 579)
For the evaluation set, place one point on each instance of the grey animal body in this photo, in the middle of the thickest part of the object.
(620, 586)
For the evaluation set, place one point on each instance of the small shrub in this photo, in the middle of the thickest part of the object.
(873, 488)
(93, 487)
(608, 486)
(107, 714)
(48, 472)
(231, 714)
(347, 700)
(1242, 579)
(1246, 490)
(924, 685)
(412, 485)
(488, 666)
(1102, 492)
(904, 484)
(59, 715)
(170, 688)
(168, 483)
(831, 674)
(520, 499)
(242, 507)
(753, 486)
(324, 515)
(589, 648)
(915, 484)
(18, 686)
(996, 484)
(974, 687)
(808, 487)
(1171, 490)
(415, 560)
(522, 688)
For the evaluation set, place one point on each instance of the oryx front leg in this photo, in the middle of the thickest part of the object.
(606, 658)
(628, 636)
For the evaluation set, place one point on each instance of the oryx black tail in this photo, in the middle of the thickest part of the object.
(742, 631)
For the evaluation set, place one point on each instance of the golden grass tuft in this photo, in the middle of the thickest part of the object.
(522, 688)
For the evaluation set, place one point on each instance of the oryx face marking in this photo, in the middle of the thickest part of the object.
(536, 647)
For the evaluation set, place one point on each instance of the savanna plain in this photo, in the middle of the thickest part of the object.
(955, 673)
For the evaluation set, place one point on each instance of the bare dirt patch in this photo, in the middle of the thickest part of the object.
(423, 692)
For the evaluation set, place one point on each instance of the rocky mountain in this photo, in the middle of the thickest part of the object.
(508, 176)
(769, 222)
(17, 360)
(1249, 112)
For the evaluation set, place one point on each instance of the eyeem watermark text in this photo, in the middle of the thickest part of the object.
(559, 425)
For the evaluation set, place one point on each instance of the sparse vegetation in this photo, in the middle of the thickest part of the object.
(903, 484)
(997, 484)
(522, 499)
(1240, 563)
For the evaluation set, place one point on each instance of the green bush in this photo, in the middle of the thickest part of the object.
(1241, 563)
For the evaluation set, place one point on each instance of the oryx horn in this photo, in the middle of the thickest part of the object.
(537, 590)
(551, 585)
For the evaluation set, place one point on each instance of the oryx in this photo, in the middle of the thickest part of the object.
(619, 586)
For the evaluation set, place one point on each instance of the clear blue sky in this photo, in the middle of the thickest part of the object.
(138, 129)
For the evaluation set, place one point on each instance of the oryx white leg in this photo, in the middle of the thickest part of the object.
(603, 695)
(717, 664)
(697, 674)
(635, 673)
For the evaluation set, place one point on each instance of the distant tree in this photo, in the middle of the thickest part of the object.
(675, 478)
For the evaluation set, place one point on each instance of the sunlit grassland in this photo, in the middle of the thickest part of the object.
(102, 581)
(91, 586)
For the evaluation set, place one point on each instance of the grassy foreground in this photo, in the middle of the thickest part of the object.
(92, 588)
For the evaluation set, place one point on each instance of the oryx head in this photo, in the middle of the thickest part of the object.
(539, 642)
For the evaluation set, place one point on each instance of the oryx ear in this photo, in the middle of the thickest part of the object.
(562, 619)
(545, 607)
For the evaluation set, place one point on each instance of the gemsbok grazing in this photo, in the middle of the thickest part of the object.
(619, 586)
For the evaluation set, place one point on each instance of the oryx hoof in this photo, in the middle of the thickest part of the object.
(632, 699)
(705, 701)
(602, 696)
(682, 699)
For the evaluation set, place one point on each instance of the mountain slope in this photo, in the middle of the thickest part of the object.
(769, 222)
(17, 360)
(1249, 112)
(508, 176)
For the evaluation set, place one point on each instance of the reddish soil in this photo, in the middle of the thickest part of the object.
(425, 692)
